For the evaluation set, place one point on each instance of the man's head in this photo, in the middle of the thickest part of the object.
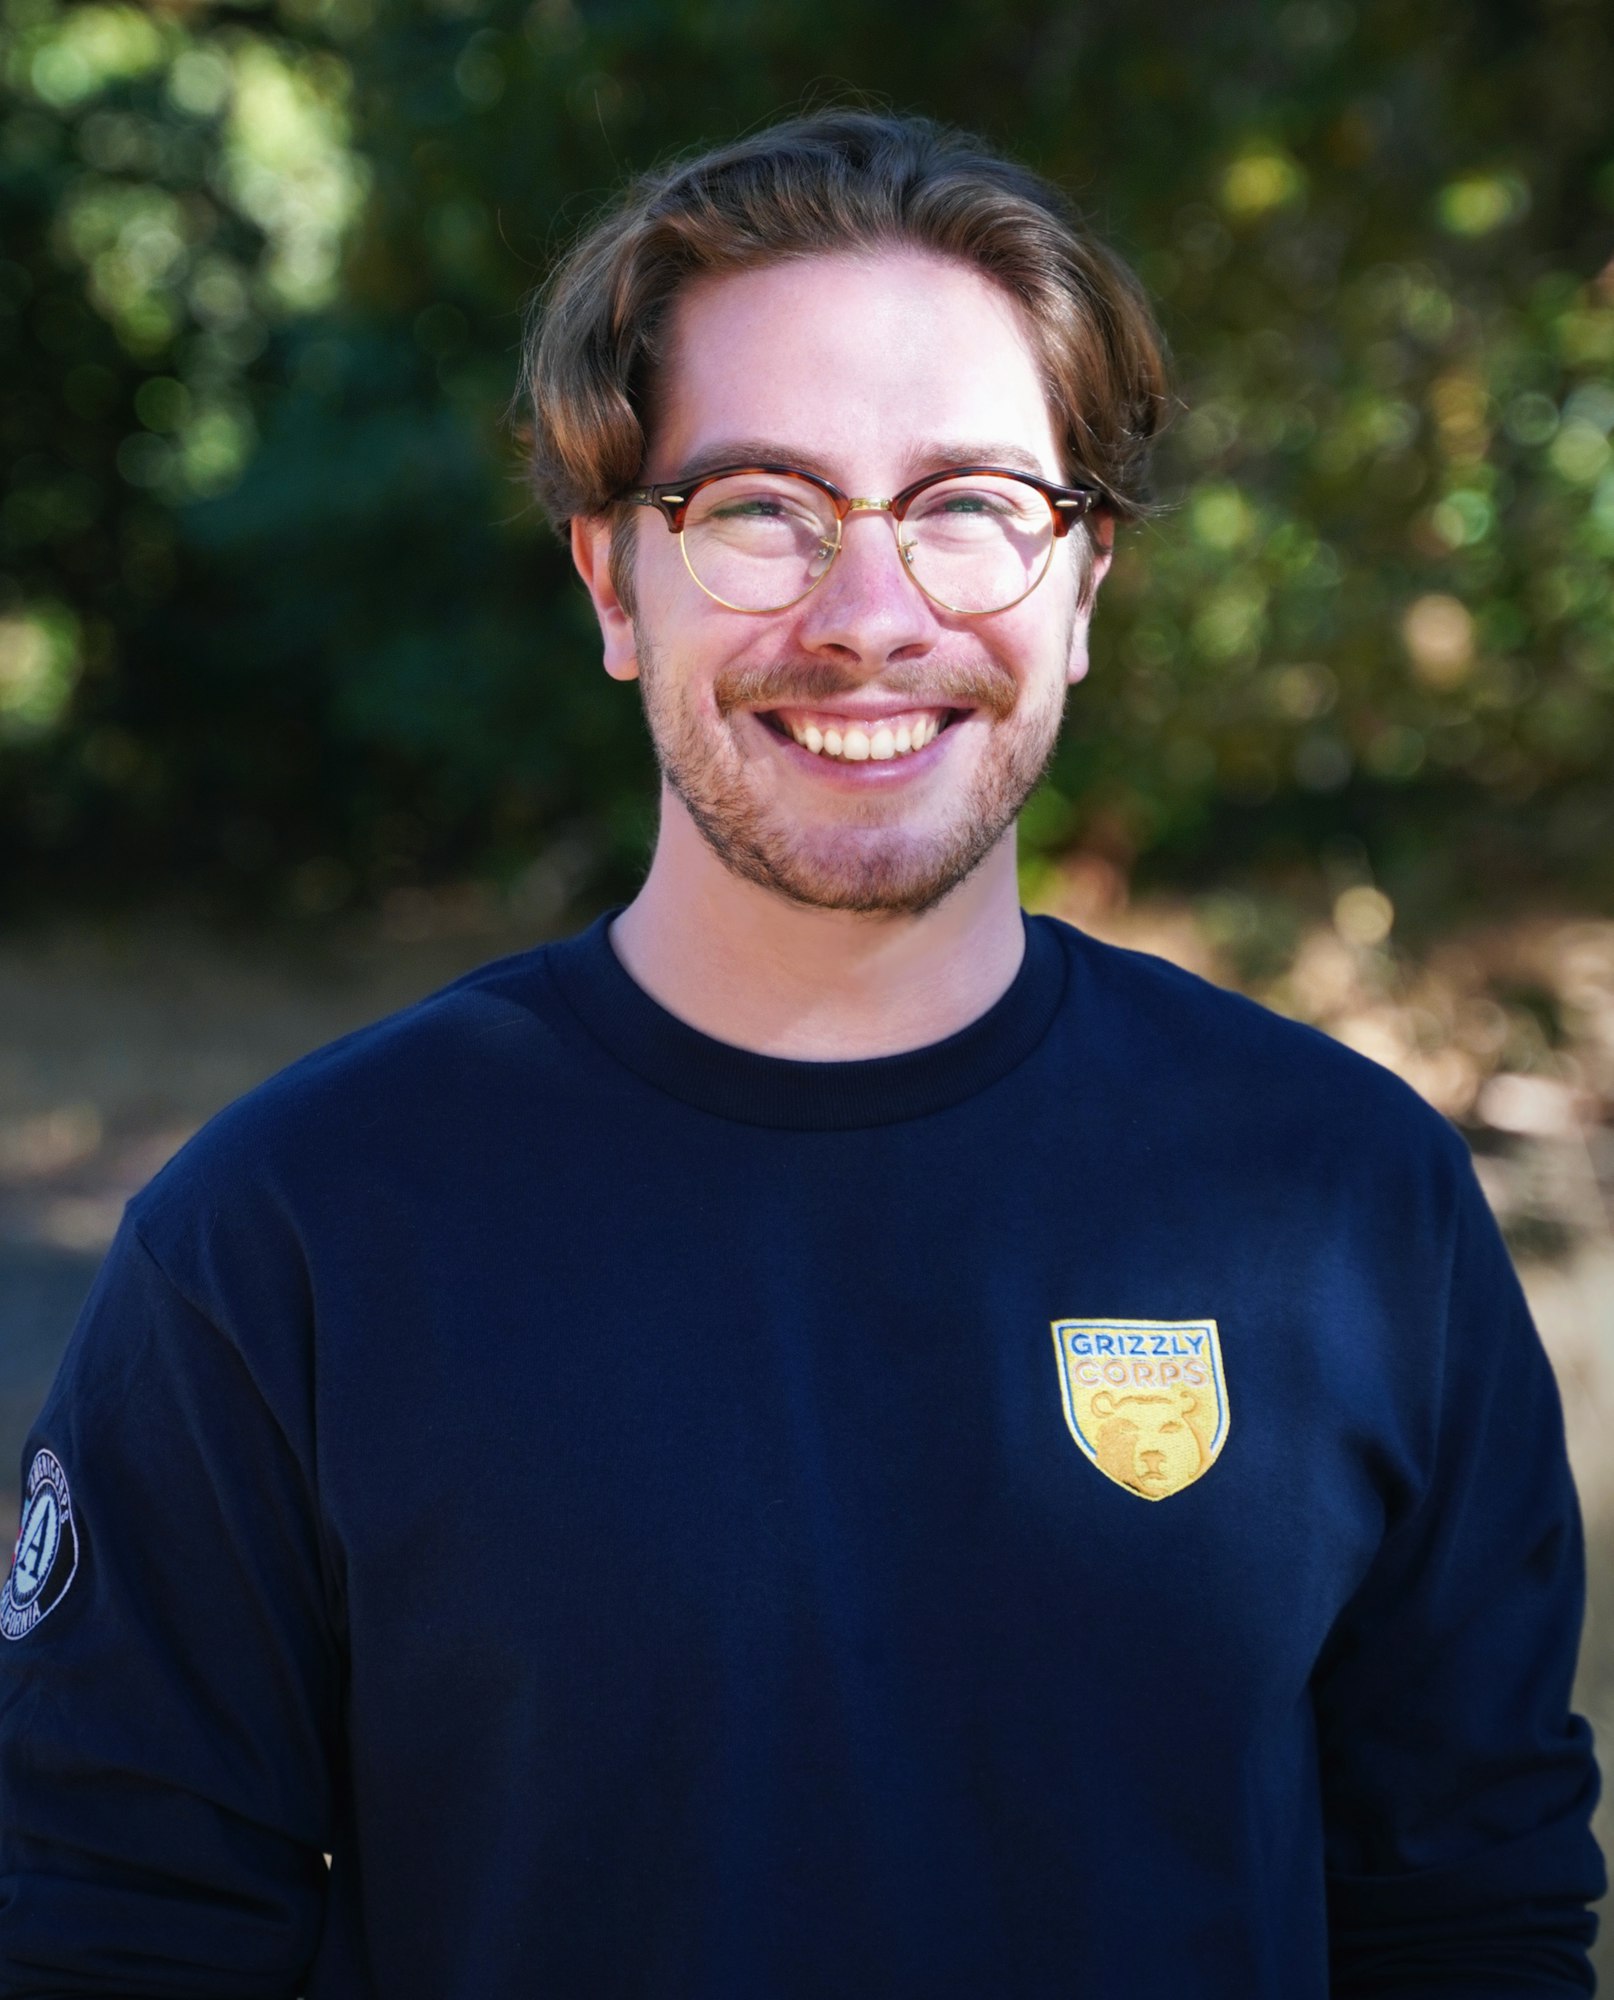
(869, 300)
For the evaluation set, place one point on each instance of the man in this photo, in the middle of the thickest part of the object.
(821, 1437)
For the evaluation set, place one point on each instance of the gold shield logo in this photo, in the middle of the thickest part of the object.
(1146, 1399)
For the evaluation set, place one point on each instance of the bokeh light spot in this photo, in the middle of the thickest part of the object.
(40, 662)
(1438, 632)
(1364, 915)
(1260, 181)
(1478, 203)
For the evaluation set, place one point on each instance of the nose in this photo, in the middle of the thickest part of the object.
(868, 607)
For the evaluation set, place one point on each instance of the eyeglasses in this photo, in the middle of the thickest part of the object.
(975, 539)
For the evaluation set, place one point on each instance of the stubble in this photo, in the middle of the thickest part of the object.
(869, 859)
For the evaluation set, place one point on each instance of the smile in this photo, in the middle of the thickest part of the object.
(849, 739)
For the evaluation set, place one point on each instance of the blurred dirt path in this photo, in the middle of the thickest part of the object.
(115, 1045)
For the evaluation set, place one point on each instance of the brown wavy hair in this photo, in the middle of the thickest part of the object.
(835, 180)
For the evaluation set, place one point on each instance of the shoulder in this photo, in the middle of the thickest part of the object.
(1209, 1061)
(381, 1103)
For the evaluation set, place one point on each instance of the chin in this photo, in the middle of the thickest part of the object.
(868, 877)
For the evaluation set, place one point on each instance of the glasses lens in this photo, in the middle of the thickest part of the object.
(759, 540)
(978, 542)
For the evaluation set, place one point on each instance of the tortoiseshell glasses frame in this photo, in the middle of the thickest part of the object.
(673, 498)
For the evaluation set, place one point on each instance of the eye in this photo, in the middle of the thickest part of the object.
(1170, 1429)
(754, 502)
(976, 503)
(757, 507)
(965, 500)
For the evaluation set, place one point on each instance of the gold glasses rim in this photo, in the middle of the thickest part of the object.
(671, 498)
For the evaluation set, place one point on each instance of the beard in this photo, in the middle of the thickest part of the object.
(865, 859)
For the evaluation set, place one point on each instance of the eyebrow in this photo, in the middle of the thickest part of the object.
(932, 458)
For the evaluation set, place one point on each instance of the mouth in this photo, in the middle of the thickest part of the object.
(860, 739)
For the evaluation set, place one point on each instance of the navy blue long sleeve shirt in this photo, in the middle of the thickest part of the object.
(1077, 1509)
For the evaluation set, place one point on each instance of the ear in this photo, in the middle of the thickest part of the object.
(1103, 535)
(591, 552)
(1103, 1404)
(1101, 531)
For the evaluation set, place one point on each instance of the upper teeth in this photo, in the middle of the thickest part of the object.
(856, 745)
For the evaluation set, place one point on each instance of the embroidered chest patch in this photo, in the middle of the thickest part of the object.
(1145, 1399)
(46, 1558)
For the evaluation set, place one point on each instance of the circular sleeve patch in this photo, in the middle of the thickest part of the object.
(46, 1558)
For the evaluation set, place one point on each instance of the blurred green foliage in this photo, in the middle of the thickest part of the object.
(279, 628)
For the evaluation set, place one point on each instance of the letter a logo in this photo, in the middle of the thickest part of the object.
(47, 1550)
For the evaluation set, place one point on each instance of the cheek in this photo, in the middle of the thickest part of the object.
(1083, 568)
(1049, 645)
(662, 586)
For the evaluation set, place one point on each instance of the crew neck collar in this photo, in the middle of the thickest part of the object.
(754, 1089)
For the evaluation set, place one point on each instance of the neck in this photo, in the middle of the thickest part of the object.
(746, 966)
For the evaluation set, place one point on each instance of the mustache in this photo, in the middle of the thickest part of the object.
(815, 684)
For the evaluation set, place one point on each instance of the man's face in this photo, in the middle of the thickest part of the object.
(872, 370)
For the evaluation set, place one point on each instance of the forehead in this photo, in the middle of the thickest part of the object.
(858, 364)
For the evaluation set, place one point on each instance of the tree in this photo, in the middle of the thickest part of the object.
(278, 623)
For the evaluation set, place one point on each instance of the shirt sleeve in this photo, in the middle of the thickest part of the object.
(1458, 1787)
(168, 1718)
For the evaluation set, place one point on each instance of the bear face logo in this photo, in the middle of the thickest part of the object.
(1146, 1400)
(1146, 1441)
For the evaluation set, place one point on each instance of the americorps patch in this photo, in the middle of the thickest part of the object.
(46, 1557)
